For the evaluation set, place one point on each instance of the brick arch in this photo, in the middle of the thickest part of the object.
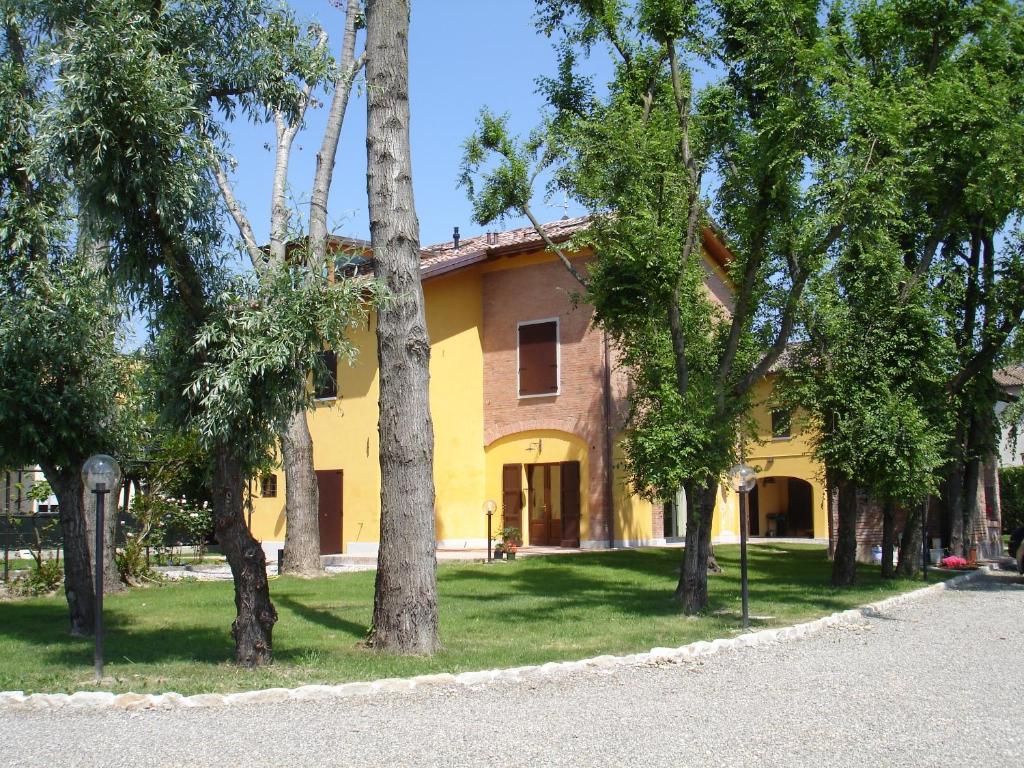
(573, 427)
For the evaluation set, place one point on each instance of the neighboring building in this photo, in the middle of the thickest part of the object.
(790, 498)
(1011, 381)
(527, 405)
(17, 485)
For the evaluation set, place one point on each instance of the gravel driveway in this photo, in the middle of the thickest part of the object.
(934, 682)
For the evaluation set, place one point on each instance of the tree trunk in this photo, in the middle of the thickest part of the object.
(254, 613)
(832, 493)
(78, 576)
(111, 575)
(302, 500)
(888, 539)
(844, 564)
(692, 589)
(910, 542)
(405, 601)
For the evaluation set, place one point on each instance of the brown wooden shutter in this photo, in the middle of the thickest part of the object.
(538, 359)
(512, 496)
(570, 503)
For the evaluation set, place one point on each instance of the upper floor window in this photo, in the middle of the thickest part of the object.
(326, 386)
(268, 486)
(781, 423)
(538, 358)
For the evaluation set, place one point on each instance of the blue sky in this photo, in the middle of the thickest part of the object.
(463, 55)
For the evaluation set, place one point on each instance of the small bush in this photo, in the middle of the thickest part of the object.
(46, 577)
(1011, 497)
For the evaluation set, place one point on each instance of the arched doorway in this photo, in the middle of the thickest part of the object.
(782, 507)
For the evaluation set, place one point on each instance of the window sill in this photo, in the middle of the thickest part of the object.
(544, 394)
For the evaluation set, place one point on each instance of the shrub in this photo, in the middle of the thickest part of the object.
(46, 576)
(1011, 497)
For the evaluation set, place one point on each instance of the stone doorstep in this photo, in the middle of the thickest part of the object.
(655, 657)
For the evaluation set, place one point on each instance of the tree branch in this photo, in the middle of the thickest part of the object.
(325, 158)
(554, 248)
(256, 256)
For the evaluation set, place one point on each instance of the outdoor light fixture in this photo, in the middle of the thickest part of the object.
(741, 479)
(489, 507)
(101, 475)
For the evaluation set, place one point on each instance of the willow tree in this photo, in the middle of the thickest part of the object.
(641, 159)
(302, 533)
(137, 95)
(59, 321)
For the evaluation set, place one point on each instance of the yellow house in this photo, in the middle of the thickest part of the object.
(790, 497)
(527, 406)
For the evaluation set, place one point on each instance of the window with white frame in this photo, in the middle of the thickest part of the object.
(538, 358)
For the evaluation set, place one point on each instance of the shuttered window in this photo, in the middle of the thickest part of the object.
(327, 379)
(538, 358)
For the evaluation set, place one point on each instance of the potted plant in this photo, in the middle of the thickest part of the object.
(499, 551)
(511, 538)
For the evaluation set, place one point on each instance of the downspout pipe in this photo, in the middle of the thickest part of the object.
(609, 484)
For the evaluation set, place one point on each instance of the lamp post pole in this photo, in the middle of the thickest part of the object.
(100, 491)
(742, 479)
(100, 475)
(489, 507)
(743, 558)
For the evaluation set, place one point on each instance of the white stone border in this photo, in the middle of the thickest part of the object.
(95, 700)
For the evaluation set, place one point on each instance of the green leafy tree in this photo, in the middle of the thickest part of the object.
(302, 532)
(957, 73)
(641, 159)
(58, 319)
(137, 117)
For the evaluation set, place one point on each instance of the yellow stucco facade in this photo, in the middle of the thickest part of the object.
(473, 456)
(786, 473)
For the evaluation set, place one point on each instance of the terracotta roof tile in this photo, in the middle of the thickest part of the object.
(442, 257)
(1011, 376)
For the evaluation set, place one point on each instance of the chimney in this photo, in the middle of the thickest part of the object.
(455, 238)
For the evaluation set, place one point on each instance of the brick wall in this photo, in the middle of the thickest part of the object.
(537, 292)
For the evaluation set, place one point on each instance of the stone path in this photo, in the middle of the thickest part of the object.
(933, 682)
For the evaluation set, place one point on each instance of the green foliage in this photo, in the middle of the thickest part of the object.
(253, 352)
(59, 367)
(46, 576)
(1011, 497)
(637, 159)
(873, 377)
(40, 491)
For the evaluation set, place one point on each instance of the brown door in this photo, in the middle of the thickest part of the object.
(329, 483)
(538, 505)
(570, 503)
(512, 496)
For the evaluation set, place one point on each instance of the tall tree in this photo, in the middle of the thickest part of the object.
(58, 341)
(302, 533)
(405, 616)
(641, 155)
(135, 116)
(959, 68)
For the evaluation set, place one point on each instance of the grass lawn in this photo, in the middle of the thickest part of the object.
(176, 636)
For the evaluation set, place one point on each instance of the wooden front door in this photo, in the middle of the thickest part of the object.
(512, 496)
(545, 522)
(570, 471)
(329, 484)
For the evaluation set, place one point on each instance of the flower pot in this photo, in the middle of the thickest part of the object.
(498, 554)
(510, 555)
